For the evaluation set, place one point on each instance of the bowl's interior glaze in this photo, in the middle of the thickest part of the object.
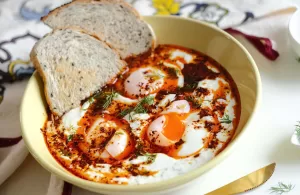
(169, 30)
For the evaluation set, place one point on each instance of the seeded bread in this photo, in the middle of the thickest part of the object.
(113, 21)
(73, 66)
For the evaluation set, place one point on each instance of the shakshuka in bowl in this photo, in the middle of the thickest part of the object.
(168, 117)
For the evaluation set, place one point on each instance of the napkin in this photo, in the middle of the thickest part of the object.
(21, 28)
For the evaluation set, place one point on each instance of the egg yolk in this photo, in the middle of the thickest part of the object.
(173, 128)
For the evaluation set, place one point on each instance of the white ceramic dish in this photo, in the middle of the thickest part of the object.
(294, 32)
(169, 30)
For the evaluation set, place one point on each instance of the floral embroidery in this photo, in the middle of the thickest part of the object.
(19, 69)
(248, 16)
(166, 7)
(212, 13)
(12, 68)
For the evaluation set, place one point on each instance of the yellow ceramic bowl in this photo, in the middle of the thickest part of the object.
(169, 30)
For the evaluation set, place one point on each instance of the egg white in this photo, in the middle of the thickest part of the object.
(179, 74)
(118, 143)
(211, 84)
(178, 53)
(193, 135)
(135, 84)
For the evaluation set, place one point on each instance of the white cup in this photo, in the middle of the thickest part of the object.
(295, 140)
(294, 32)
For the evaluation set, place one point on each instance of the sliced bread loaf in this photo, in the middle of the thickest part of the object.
(113, 21)
(73, 66)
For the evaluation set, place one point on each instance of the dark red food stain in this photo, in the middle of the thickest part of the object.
(197, 72)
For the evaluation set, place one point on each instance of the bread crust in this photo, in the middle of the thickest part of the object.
(41, 72)
(56, 10)
(37, 66)
(99, 35)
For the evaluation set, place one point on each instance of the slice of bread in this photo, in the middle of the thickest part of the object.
(113, 21)
(73, 66)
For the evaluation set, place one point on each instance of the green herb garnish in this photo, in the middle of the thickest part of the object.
(109, 98)
(151, 157)
(139, 151)
(155, 75)
(139, 108)
(196, 102)
(172, 72)
(91, 100)
(70, 137)
(225, 119)
(119, 133)
(72, 131)
(189, 86)
(138, 148)
(125, 112)
(298, 59)
(297, 129)
(65, 152)
(105, 98)
(281, 188)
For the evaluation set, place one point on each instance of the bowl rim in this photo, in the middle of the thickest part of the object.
(164, 184)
